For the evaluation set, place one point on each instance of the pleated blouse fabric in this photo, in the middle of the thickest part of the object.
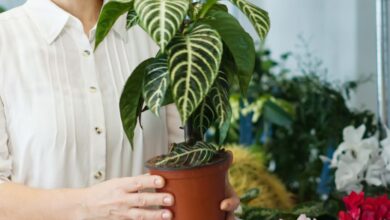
(60, 123)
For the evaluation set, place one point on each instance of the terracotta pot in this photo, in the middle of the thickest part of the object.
(198, 192)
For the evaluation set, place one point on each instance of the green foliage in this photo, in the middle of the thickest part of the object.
(161, 18)
(257, 16)
(318, 210)
(156, 84)
(194, 61)
(132, 19)
(131, 101)
(239, 44)
(2, 9)
(112, 10)
(193, 38)
(309, 116)
(184, 155)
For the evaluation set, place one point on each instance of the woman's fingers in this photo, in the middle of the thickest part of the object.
(150, 199)
(136, 214)
(232, 202)
(231, 216)
(134, 184)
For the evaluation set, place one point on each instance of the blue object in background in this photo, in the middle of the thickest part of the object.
(246, 134)
(324, 187)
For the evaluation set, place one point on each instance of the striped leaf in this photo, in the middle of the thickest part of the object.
(161, 18)
(205, 116)
(132, 19)
(215, 109)
(183, 155)
(156, 84)
(220, 99)
(258, 17)
(111, 11)
(194, 60)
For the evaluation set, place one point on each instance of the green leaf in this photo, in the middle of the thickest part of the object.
(250, 195)
(111, 11)
(183, 155)
(156, 84)
(276, 114)
(220, 98)
(206, 7)
(131, 99)
(132, 19)
(161, 18)
(204, 116)
(239, 43)
(194, 60)
(258, 17)
(168, 99)
(215, 108)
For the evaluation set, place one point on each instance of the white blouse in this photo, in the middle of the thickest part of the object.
(60, 124)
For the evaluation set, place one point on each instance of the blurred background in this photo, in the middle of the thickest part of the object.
(315, 75)
(341, 34)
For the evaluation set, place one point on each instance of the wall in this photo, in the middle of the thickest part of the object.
(340, 33)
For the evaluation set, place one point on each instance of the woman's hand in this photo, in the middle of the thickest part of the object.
(119, 199)
(231, 203)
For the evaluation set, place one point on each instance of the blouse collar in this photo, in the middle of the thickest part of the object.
(51, 19)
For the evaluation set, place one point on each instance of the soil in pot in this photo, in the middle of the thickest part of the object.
(198, 191)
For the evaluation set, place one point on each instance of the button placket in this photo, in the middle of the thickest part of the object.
(98, 137)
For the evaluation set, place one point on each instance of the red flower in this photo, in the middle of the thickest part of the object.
(354, 200)
(360, 208)
(345, 216)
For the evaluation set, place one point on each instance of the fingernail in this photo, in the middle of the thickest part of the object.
(158, 182)
(166, 215)
(168, 200)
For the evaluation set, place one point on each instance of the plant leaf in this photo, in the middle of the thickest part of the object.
(111, 11)
(250, 195)
(215, 109)
(220, 98)
(258, 17)
(132, 19)
(205, 116)
(161, 18)
(194, 60)
(182, 155)
(156, 84)
(276, 114)
(239, 43)
(131, 99)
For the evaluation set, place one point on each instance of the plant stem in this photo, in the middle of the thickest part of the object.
(206, 7)
(192, 135)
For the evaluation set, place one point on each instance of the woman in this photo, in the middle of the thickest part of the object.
(63, 154)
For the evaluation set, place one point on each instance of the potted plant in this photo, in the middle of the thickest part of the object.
(203, 50)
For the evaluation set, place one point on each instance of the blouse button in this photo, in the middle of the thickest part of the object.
(86, 53)
(98, 130)
(92, 89)
(98, 175)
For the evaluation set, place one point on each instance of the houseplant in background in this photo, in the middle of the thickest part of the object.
(203, 50)
(295, 116)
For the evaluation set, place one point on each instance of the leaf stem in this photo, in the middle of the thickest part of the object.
(192, 135)
(206, 7)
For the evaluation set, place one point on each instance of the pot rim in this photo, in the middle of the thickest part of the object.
(225, 155)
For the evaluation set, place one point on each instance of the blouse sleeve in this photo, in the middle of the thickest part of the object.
(5, 158)
(174, 125)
